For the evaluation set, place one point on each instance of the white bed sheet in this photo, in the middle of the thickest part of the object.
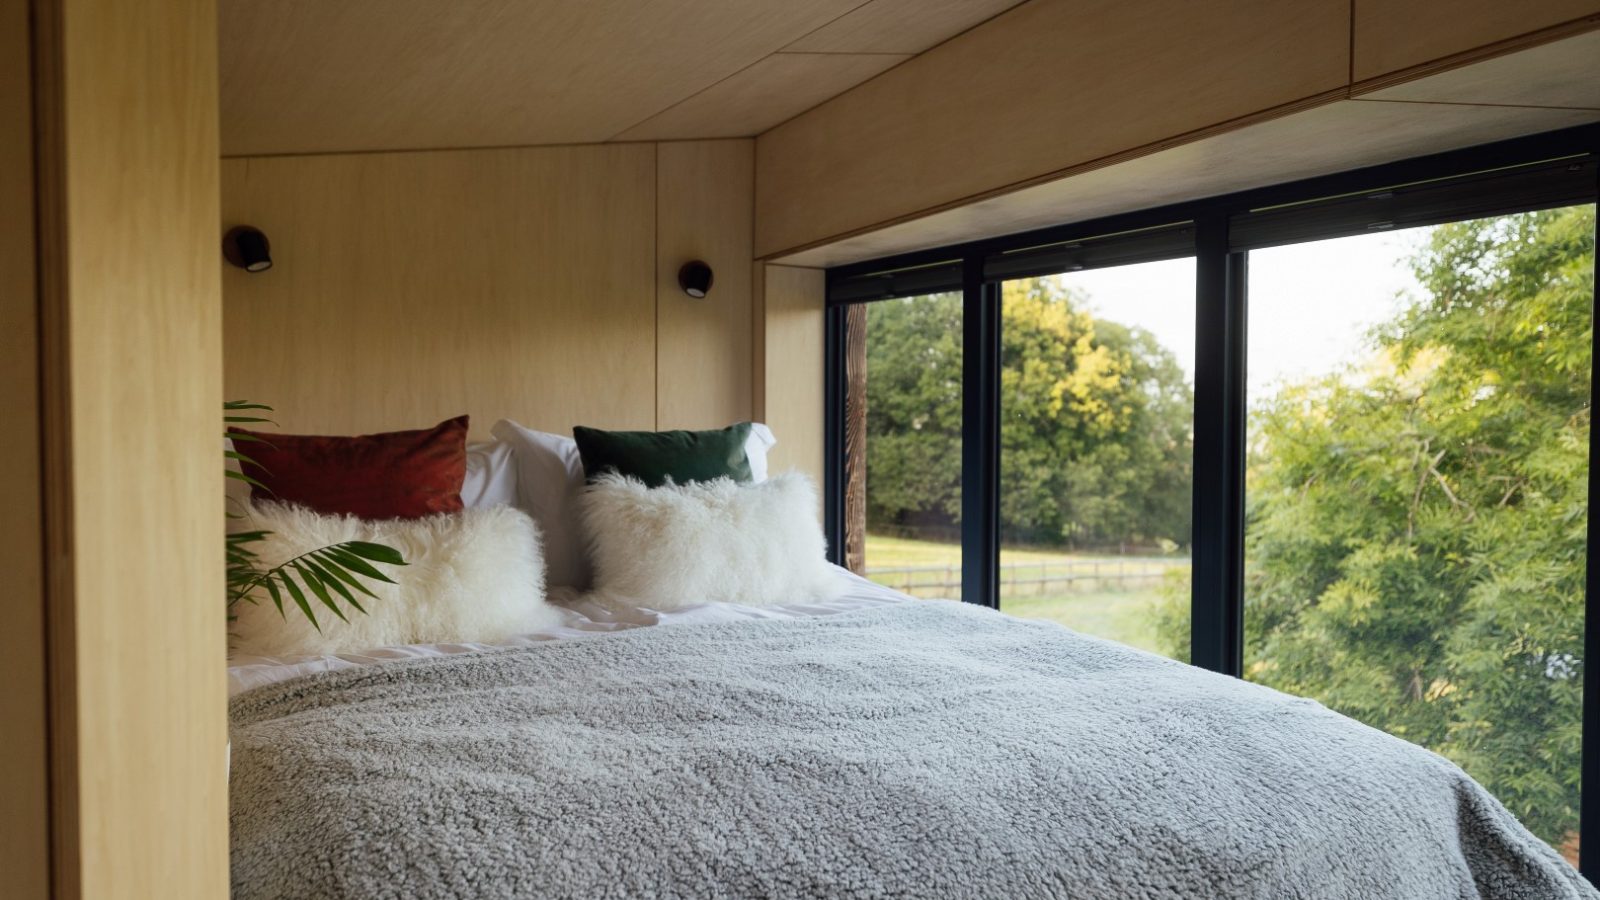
(580, 619)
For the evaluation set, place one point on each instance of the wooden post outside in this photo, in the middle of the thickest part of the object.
(855, 438)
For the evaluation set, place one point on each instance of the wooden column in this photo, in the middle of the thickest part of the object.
(131, 382)
(24, 770)
(855, 438)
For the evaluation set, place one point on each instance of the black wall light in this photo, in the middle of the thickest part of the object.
(247, 248)
(695, 279)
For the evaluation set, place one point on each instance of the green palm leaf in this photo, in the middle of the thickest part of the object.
(329, 574)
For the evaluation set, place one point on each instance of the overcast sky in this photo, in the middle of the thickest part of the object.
(1310, 304)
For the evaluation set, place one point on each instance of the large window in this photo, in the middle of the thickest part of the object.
(1332, 437)
(1096, 447)
(1417, 491)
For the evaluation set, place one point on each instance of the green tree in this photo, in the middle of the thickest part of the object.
(1416, 525)
(1095, 428)
(914, 412)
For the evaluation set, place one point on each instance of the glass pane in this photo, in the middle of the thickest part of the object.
(1097, 451)
(1417, 491)
(913, 444)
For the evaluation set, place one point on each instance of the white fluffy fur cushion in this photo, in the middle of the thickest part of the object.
(476, 575)
(685, 544)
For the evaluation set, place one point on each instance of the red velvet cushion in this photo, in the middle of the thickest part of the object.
(397, 475)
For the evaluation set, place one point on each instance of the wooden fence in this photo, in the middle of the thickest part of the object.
(1034, 578)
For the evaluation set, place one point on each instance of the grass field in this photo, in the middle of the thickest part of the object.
(1122, 610)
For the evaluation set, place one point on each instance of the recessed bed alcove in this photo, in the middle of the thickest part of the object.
(486, 209)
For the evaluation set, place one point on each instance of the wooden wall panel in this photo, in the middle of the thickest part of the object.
(791, 350)
(24, 771)
(1391, 36)
(410, 287)
(1560, 74)
(132, 363)
(1023, 96)
(705, 198)
(1333, 137)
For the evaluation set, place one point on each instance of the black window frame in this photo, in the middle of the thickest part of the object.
(1542, 171)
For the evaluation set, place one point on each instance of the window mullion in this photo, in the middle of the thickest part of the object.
(980, 444)
(1217, 612)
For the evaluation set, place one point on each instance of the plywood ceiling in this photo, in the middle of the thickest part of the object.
(310, 76)
(775, 88)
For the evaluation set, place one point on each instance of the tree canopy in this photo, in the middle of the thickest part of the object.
(1095, 421)
(1416, 523)
(914, 413)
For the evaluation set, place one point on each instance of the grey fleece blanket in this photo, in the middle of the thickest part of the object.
(925, 750)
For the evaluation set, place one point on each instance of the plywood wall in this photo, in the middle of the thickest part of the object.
(1052, 89)
(705, 211)
(1388, 37)
(789, 348)
(24, 773)
(531, 283)
(1020, 97)
(130, 297)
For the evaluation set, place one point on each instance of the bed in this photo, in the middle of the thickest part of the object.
(867, 746)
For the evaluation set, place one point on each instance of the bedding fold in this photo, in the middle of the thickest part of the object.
(921, 749)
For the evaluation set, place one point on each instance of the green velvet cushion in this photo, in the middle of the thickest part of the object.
(654, 456)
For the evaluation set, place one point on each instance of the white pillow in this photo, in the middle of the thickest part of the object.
(236, 494)
(491, 476)
(470, 576)
(549, 476)
(682, 545)
(755, 449)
